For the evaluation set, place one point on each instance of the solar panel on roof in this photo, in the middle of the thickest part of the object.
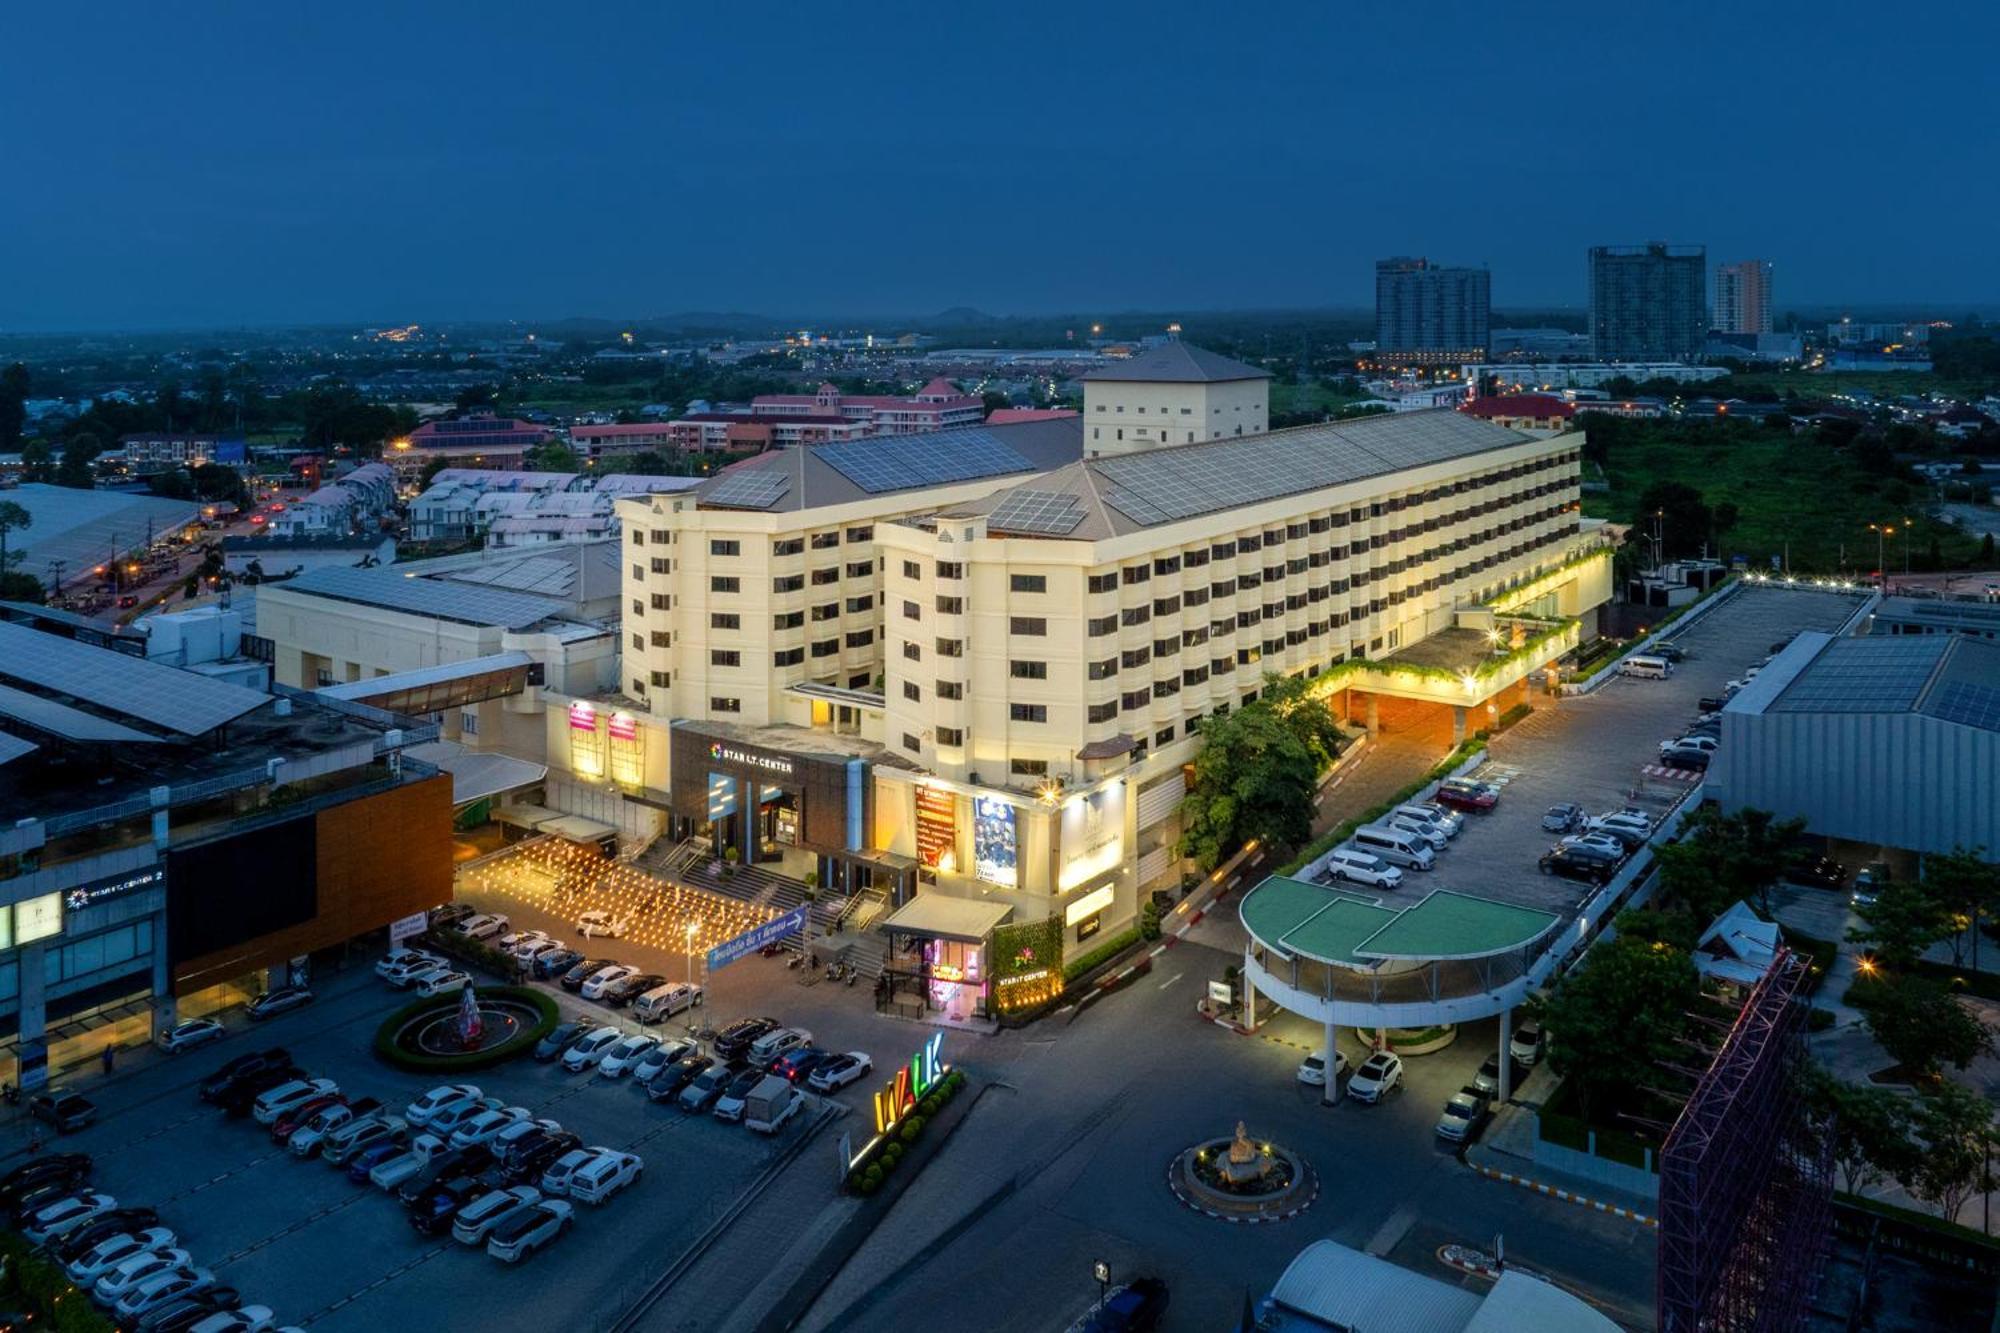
(903, 462)
(465, 603)
(1967, 703)
(1054, 513)
(59, 719)
(1870, 675)
(749, 490)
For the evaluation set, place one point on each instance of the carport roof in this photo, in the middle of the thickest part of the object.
(1326, 924)
(1457, 925)
(1309, 919)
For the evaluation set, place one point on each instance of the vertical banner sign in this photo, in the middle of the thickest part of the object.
(913, 1081)
(994, 842)
(937, 827)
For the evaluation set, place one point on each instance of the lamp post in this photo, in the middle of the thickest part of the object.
(692, 927)
(1881, 531)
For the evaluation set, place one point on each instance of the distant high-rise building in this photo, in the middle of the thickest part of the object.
(1429, 315)
(1743, 297)
(1648, 302)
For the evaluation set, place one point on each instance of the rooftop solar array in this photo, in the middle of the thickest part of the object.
(1049, 513)
(1875, 674)
(72, 724)
(164, 696)
(13, 747)
(751, 489)
(1967, 703)
(454, 600)
(902, 462)
(81, 528)
(1164, 485)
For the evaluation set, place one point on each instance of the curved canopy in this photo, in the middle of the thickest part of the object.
(1345, 929)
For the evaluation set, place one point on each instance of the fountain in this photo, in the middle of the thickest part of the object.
(1241, 1180)
(480, 1027)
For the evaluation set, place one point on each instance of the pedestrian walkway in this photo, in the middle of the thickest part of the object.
(1505, 1154)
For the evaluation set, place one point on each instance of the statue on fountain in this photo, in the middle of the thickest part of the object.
(1246, 1162)
(470, 1025)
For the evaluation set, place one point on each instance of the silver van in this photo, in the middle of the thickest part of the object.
(767, 1048)
(1396, 846)
(1646, 667)
(1434, 837)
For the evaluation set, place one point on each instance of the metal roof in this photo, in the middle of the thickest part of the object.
(1950, 677)
(84, 528)
(941, 916)
(1176, 362)
(72, 724)
(455, 599)
(13, 747)
(1337, 926)
(1447, 925)
(1348, 1289)
(119, 683)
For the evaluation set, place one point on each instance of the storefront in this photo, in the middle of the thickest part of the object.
(940, 949)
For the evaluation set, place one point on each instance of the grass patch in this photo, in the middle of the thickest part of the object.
(31, 1284)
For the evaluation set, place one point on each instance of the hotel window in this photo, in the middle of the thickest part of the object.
(783, 583)
(789, 657)
(912, 570)
(639, 607)
(717, 546)
(1104, 712)
(912, 652)
(826, 648)
(1028, 768)
(1104, 670)
(788, 620)
(950, 606)
(861, 569)
(1194, 559)
(1222, 550)
(860, 638)
(1166, 606)
(1030, 626)
(727, 583)
(662, 537)
(951, 648)
(662, 565)
(1028, 583)
(949, 689)
(1135, 574)
(913, 692)
(1164, 736)
(861, 534)
(724, 620)
(789, 546)
(662, 639)
(950, 736)
(1166, 647)
(638, 534)
(1135, 615)
(638, 686)
(1136, 657)
(862, 603)
(825, 541)
(950, 569)
(1028, 712)
(911, 611)
(718, 704)
(1195, 597)
(1167, 564)
(1194, 675)
(1104, 583)
(661, 680)
(822, 577)
(638, 642)
(1102, 625)
(1137, 698)
(662, 601)
(1021, 670)
(724, 657)
(912, 744)
(826, 611)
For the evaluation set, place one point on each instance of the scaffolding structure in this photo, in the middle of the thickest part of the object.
(1746, 1177)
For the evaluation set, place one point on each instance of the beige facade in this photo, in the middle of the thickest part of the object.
(1123, 416)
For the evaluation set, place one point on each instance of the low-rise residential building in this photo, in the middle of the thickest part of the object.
(1522, 411)
(445, 511)
(476, 440)
(515, 509)
(740, 433)
(154, 450)
(599, 445)
(276, 556)
(358, 501)
(936, 406)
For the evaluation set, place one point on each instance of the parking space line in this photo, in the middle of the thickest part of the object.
(226, 1175)
(293, 1229)
(379, 1282)
(1171, 980)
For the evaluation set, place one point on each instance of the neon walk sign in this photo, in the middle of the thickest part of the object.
(913, 1082)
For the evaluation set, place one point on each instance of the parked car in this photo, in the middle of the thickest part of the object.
(1487, 1080)
(556, 962)
(243, 1066)
(483, 926)
(799, 1062)
(413, 969)
(1463, 1114)
(67, 1111)
(1818, 872)
(663, 1002)
(447, 1122)
(436, 1208)
(627, 989)
(312, 1136)
(445, 1166)
(360, 1163)
(1578, 863)
(1685, 754)
(1359, 867)
(583, 971)
(676, 1076)
(157, 1291)
(187, 1313)
(69, 1169)
(840, 1071)
(1563, 818)
(603, 1176)
(1628, 826)
(1464, 794)
(605, 978)
(441, 1098)
(280, 1001)
(285, 1097)
(295, 1118)
(451, 914)
(1670, 650)
(515, 939)
(531, 1230)
(485, 1126)
(654, 1062)
(702, 1092)
(523, 1129)
(400, 1168)
(1706, 744)
(1601, 843)
(1526, 1044)
(477, 1219)
(138, 1268)
(729, 1103)
(1433, 837)
(62, 1216)
(244, 1319)
(596, 924)
(114, 1222)
(191, 1035)
(1711, 703)
(398, 961)
(1451, 821)
(241, 1096)
(1135, 1307)
(734, 1041)
(530, 1163)
(448, 981)
(1380, 1074)
(112, 1251)
(587, 1051)
(1312, 1069)
(343, 1144)
(555, 1180)
(562, 1036)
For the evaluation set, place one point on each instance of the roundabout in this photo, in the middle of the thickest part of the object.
(1238, 1180)
(479, 1028)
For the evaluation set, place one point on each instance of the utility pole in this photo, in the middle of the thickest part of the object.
(55, 579)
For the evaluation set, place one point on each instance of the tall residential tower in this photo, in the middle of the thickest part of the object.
(1426, 314)
(1743, 297)
(1648, 302)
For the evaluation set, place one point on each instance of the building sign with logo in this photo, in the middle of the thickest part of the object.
(995, 849)
(408, 927)
(1093, 834)
(104, 890)
(937, 827)
(912, 1083)
(757, 759)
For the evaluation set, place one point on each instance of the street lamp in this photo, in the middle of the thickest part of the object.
(1882, 533)
(693, 926)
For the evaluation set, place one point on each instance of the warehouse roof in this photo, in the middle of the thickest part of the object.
(1176, 362)
(1951, 677)
(81, 528)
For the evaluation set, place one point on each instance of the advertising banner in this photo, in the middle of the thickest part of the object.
(1093, 834)
(750, 941)
(995, 851)
(937, 827)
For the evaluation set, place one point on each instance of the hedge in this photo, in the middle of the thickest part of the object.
(32, 1281)
(476, 952)
(1326, 842)
(1041, 942)
(387, 1050)
(881, 1158)
(1111, 948)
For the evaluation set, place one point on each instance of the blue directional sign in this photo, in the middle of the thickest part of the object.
(750, 941)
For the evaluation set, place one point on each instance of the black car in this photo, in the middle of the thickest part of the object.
(280, 1001)
(1694, 759)
(243, 1093)
(668, 1084)
(75, 1244)
(734, 1041)
(1819, 872)
(557, 961)
(526, 1168)
(70, 1168)
(243, 1066)
(576, 976)
(621, 993)
(433, 1210)
(563, 1036)
(181, 1315)
(451, 914)
(447, 1165)
(1577, 863)
(1133, 1308)
(65, 1110)
(1673, 652)
(1710, 704)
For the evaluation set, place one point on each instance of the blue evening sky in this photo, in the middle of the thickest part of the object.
(208, 163)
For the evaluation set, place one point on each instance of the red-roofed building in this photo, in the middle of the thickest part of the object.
(1523, 411)
(741, 432)
(480, 440)
(595, 442)
(935, 406)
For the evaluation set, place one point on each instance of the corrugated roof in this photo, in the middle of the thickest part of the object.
(457, 600)
(82, 528)
(1449, 925)
(1950, 677)
(121, 683)
(1177, 362)
(1348, 1289)
(72, 724)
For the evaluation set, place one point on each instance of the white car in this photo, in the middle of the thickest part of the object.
(397, 960)
(654, 1062)
(272, 1105)
(477, 1219)
(840, 1071)
(1312, 1069)
(1379, 1075)
(244, 1319)
(62, 1216)
(162, 1288)
(597, 1180)
(627, 1052)
(556, 1179)
(423, 1108)
(1462, 1114)
(448, 1121)
(1445, 818)
(107, 1254)
(308, 1138)
(131, 1272)
(604, 977)
(1359, 867)
(1526, 1044)
(1434, 837)
(483, 926)
(483, 1127)
(442, 983)
(596, 925)
(388, 1175)
(534, 949)
(521, 939)
(1601, 843)
(529, 1230)
(1629, 828)
(519, 1130)
(196, 1032)
(1706, 744)
(412, 970)
(590, 1048)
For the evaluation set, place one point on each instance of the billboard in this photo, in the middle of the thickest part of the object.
(750, 941)
(995, 846)
(1093, 834)
(937, 827)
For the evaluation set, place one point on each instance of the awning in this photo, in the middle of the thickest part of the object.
(576, 828)
(475, 774)
(526, 815)
(939, 916)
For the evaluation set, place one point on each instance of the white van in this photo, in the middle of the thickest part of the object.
(1396, 846)
(1447, 822)
(1645, 667)
(1345, 863)
(663, 1002)
(1434, 837)
(771, 1045)
(770, 1104)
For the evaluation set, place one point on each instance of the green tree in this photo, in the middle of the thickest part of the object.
(1870, 1128)
(12, 516)
(993, 400)
(1310, 716)
(1922, 1026)
(1907, 917)
(14, 385)
(78, 469)
(38, 461)
(430, 471)
(1967, 885)
(1619, 1015)
(1726, 858)
(552, 456)
(18, 587)
(649, 463)
(1677, 514)
(1254, 778)
(475, 396)
(1956, 1127)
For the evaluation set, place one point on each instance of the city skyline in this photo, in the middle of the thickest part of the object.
(306, 169)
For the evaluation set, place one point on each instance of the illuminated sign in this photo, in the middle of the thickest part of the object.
(912, 1083)
(937, 827)
(731, 754)
(1093, 835)
(38, 918)
(995, 849)
(624, 727)
(582, 717)
(90, 895)
(1025, 990)
(1089, 905)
